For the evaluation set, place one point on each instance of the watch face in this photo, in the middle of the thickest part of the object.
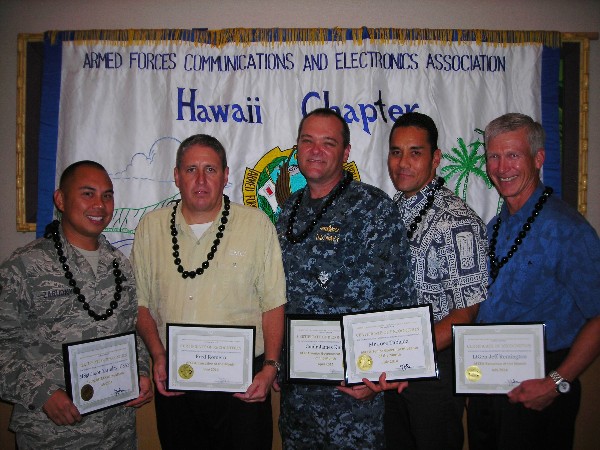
(563, 387)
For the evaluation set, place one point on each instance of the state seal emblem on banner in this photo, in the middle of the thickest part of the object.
(274, 178)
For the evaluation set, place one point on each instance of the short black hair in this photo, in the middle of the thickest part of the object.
(70, 171)
(326, 112)
(418, 120)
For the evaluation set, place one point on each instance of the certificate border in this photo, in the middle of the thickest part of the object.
(134, 370)
(458, 368)
(432, 335)
(171, 387)
(287, 353)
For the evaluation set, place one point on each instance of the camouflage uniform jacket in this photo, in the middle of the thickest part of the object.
(356, 259)
(38, 313)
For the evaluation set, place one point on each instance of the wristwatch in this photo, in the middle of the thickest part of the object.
(272, 362)
(562, 385)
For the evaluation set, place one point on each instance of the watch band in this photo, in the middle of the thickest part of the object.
(562, 386)
(272, 362)
(556, 377)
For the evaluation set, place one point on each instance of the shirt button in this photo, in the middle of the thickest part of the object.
(191, 297)
(31, 407)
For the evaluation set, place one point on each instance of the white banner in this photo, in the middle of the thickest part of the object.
(129, 106)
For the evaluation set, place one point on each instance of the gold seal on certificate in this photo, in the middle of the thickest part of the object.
(101, 373)
(365, 362)
(186, 371)
(328, 349)
(398, 342)
(210, 357)
(495, 358)
(87, 392)
(473, 373)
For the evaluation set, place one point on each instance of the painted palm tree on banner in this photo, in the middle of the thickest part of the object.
(464, 161)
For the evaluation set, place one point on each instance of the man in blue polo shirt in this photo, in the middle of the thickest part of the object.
(544, 267)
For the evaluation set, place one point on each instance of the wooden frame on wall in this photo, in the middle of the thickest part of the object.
(29, 81)
(574, 136)
(29, 87)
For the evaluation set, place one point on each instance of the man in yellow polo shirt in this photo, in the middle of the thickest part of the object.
(206, 260)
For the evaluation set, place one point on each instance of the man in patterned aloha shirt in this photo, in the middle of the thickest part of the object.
(448, 248)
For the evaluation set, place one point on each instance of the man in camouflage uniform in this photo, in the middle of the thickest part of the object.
(345, 251)
(39, 311)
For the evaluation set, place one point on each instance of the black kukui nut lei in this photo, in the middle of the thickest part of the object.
(51, 232)
(495, 263)
(289, 234)
(430, 198)
(210, 256)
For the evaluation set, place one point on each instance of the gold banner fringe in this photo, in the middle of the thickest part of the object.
(273, 36)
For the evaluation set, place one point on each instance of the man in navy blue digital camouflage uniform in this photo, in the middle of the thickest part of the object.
(344, 250)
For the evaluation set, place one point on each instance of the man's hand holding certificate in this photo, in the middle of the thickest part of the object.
(494, 359)
(101, 373)
(210, 358)
(398, 342)
(354, 347)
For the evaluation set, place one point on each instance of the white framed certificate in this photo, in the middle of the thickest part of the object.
(313, 349)
(495, 358)
(210, 357)
(101, 373)
(398, 342)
